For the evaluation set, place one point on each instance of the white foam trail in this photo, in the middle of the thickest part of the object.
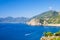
(28, 34)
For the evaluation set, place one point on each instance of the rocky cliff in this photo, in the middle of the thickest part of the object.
(48, 17)
(34, 22)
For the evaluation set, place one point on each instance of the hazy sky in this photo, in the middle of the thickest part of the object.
(27, 8)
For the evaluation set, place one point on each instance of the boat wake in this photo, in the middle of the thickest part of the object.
(28, 34)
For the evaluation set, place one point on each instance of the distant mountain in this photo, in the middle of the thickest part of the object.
(13, 20)
(48, 17)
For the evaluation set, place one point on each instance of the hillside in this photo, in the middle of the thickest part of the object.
(48, 17)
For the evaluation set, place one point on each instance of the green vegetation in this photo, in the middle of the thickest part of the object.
(51, 17)
(56, 39)
(48, 34)
(51, 34)
(57, 33)
(54, 20)
(41, 21)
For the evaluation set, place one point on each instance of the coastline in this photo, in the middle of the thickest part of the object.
(57, 25)
(51, 25)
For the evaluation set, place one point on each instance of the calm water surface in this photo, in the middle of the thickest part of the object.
(23, 31)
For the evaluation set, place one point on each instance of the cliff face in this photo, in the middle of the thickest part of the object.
(34, 22)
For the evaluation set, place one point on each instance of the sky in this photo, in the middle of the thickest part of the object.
(27, 8)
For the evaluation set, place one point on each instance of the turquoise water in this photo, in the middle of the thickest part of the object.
(23, 31)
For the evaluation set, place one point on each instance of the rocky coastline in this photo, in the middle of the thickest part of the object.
(51, 36)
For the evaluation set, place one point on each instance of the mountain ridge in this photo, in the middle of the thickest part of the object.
(14, 20)
(47, 17)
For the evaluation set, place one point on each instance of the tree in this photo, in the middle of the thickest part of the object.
(48, 33)
(57, 33)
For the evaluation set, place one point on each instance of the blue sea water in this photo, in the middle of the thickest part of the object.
(17, 31)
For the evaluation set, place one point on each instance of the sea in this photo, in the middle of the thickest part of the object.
(18, 31)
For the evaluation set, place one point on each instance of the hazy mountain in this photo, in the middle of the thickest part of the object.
(13, 20)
